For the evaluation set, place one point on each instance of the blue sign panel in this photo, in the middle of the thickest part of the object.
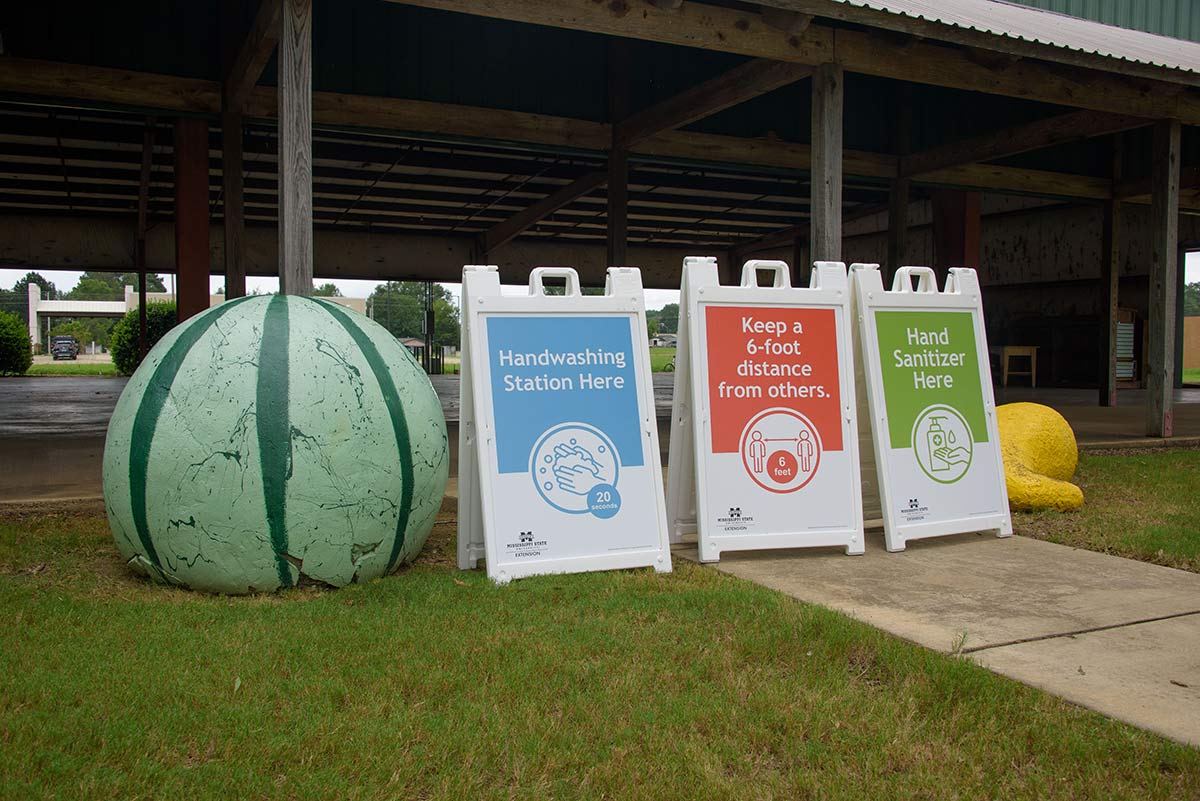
(566, 409)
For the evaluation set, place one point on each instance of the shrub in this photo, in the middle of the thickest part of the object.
(123, 341)
(15, 352)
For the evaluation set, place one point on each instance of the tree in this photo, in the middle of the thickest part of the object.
(15, 352)
(651, 327)
(446, 329)
(396, 310)
(668, 319)
(97, 286)
(327, 290)
(1191, 300)
(123, 342)
(21, 288)
(154, 283)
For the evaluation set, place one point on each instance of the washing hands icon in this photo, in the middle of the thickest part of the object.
(575, 469)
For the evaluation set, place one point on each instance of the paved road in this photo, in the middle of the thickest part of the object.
(80, 406)
(57, 407)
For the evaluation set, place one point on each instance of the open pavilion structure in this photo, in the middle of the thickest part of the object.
(402, 140)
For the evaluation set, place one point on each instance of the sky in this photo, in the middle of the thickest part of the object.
(353, 288)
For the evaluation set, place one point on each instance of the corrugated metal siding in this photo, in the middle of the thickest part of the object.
(1176, 18)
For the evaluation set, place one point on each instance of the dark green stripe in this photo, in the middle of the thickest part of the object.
(146, 420)
(274, 428)
(395, 411)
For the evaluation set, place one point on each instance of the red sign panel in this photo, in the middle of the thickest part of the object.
(762, 358)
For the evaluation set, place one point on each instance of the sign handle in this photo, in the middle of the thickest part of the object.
(926, 280)
(538, 273)
(750, 273)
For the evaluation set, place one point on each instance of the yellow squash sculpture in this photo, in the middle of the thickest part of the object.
(1040, 455)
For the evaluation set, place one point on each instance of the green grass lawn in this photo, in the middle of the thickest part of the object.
(659, 358)
(1191, 376)
(74, 368)
(436, 684)
(1144, 506)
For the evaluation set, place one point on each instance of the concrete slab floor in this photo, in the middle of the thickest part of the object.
(1026, 608)
(1146, 674)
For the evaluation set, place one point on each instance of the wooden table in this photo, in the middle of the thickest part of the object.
(1006, 352)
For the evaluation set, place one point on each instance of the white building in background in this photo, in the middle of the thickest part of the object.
(40, 309)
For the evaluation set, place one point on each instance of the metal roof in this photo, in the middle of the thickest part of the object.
(1021, 23)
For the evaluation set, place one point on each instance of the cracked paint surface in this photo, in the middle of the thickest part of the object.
(244, 456)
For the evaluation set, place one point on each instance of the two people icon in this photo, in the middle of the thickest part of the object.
(756, 449)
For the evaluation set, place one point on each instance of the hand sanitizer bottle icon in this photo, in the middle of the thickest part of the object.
(936, 437)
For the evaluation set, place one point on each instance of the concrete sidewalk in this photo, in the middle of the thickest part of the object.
(1118, 636)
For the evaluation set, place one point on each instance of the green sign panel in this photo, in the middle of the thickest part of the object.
(930, 371)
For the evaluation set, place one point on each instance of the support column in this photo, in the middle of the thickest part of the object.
(295, 149)
(618, 158)
(1110, 281)
(898, 193)
(233, 209)
(825, 240)
(1164, 254)
(956, 230)
(618, 207)
(898, 189)
(139, 248)
(191, 217)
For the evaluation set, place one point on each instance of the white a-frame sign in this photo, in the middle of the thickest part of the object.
(929, 391)
(764, 447)
(559, 467)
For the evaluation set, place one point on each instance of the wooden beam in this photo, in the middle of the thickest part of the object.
(790, 22)
(253, 55)
(776, 239)
(730, 89)
(295, 149)
(783, 236)
(825, 241)
(232, 204)
(1140, 190)
(164, 93)
(1110, 282)
(1164, 257)
(732, 30)
(1057, 130)
(1016, 179)
(511, 228)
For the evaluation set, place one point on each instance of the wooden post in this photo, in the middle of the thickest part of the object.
(231, 192)
(898, 194)
(899, 188)
(295, 149)
(139, 253)
(825, 241)
(618, 157)
(1164, 222)
(1110, 282)
(956, 229)
(191, 217)
(618, 207)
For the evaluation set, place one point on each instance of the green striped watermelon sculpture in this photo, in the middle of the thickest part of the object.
(273, 441)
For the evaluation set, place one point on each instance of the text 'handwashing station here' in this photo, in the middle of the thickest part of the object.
(546, 382)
